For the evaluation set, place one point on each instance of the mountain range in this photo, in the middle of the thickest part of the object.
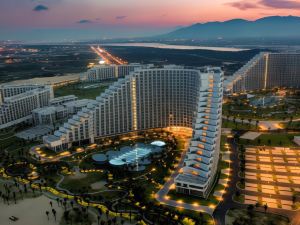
(273, 26)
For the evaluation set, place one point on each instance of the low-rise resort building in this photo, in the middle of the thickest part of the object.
(18, 101)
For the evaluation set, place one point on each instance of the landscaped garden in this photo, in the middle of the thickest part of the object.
(82, 90)
(264, 105)
(272, 139)
(250, 217)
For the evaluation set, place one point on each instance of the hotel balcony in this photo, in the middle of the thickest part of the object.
(195, 158)
(194, 170)
(200, 152)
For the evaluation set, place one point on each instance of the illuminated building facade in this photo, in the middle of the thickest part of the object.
(157, 98)
(18, 101)
(267, 71)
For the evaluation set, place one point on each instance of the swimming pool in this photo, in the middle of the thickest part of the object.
(130, 156)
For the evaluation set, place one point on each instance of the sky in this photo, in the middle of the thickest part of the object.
(33, 20)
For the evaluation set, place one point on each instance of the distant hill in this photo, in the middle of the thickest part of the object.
(273, 26)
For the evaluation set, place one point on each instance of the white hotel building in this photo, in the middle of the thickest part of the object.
(266, 71)
(18, 101)
(157, 98)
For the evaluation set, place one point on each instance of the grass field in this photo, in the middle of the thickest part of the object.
(82, 183)
(273, 139)
(256, 218)
(82, 91)
(238, 126)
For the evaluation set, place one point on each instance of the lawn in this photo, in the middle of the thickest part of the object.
(294, 125)
(79, 184)
(273, 139)
(254, 218)
(238, 125)
(81, 90)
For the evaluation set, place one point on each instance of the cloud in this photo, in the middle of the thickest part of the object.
(281, 4)
(276, 4)
(40, 8)
(84, 21)
(120, 17)
(242, 5)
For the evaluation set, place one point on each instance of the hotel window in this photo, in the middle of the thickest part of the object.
(204, 134)
(203, 139)
(195, 173)
(197, 166)
(200, 145)
(205, 128)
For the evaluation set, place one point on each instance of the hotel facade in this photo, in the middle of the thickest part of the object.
(267, 71)
(157, 98)
(108, 72)
(18, 101)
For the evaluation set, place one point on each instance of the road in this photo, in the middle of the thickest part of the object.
(107, 57)
(227, 203)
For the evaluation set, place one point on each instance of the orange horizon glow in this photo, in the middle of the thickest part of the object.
(133, 13)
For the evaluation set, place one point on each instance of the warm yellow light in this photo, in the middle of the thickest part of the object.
(212, 206)
(195, 204)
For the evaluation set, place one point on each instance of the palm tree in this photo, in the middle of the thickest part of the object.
(47, 213)
(294, 197)
(54, 213)
(259, 141)
(256, 123)
(265, 207)
(201, 217)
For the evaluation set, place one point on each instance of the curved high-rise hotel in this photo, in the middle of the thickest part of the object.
(157, 98)
(267, 71)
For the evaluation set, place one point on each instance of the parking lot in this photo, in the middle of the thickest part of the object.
(272, 176)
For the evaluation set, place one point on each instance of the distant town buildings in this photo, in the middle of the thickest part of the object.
(157, 97)
(267, 71)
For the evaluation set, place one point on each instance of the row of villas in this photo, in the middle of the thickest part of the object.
(157, 97)
(266, 71)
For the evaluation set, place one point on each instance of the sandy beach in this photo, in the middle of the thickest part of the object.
(30, 212)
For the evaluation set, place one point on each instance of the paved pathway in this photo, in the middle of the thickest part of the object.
(264, 124)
